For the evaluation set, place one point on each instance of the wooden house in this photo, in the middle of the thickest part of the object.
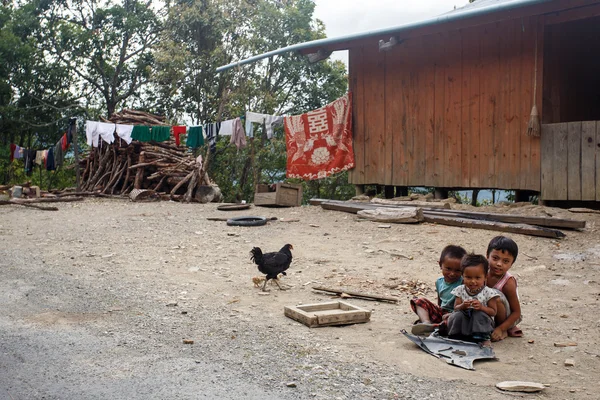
(446, 102)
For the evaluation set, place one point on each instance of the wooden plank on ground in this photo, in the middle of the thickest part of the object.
(366, 296)
(523, 229)
(508, 218)
(356, 66)
(588, 160)
(574, 161)
(560, 160)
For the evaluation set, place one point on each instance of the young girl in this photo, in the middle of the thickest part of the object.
(475, 305)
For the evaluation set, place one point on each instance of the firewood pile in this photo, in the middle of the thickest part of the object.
(164, 167)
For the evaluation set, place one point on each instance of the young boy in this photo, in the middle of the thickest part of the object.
(502, 253)
(430, 314)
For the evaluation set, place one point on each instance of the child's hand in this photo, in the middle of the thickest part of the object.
(476, 305)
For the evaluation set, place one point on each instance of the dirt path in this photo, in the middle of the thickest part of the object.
(89, 296)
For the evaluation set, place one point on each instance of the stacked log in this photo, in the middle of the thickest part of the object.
(164, 167)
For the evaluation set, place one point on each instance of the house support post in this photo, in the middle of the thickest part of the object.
(440, 193)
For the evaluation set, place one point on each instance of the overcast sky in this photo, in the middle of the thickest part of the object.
(345, 17)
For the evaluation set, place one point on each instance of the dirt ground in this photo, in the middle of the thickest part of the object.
(98, 297)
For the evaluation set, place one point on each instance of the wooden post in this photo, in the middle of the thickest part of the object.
(359, 189)
(73, 130)
(139, 176)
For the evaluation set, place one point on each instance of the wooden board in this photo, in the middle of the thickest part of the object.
(395, 113)
(328, 314)
(588, 160)
(356, 66)
(574, 161)
(598, 161)
(453, 101)
(285, 195)
(523, 229)
(374, 112)
(560, 181)
(436, 172)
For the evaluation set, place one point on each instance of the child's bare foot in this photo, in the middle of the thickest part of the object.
(486, 343)
(498, 335)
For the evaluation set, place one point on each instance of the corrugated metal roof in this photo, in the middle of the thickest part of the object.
(472, 10)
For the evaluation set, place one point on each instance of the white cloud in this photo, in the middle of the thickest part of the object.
(346, 17)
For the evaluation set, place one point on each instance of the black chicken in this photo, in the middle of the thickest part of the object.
(272, 264)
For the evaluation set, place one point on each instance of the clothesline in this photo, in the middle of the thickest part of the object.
(50, 159)
(196, 134)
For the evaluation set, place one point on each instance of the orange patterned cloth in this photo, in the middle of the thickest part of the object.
(319, 143)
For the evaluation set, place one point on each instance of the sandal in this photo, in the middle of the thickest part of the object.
(515, 331)
(423, 329)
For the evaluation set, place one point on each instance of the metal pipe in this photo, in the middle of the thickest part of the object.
(472, 11)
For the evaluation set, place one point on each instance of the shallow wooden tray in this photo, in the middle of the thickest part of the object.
(327, 314)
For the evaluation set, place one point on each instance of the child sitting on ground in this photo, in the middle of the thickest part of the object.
(502, 253)
(475, 305)
(430, 314)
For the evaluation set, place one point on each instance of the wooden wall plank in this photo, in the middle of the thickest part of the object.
(533, 182)
(560, 157)
(574, 161)
(427, 73)
(467, 106)
(470, 107)
(547, 140)
(386, 150)
(416, 143)
(516, 130)
(437, 176)
(356, 71)
(374, 114)
(452, 119)
(527, 71)
(395, 112)
(489, 112)
(503, 143)
(588, 160)
(598, 161)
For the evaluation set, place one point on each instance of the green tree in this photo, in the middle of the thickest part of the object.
(201, 35)
(107, 46)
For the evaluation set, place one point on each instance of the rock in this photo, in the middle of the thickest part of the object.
(188, 341)
(171, 304)
(209, 193)
(291, 384)
(520, 386)
(384, 226)
(569, 362)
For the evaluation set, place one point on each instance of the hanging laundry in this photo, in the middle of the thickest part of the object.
(212, 133)
(64, 142)
(227, 127)
(124, 132)
(18, 154)
(50, 160)
(141, 133)
(269, 120)
(28, 158)
(59, 154)
(71, 132)
(195, 138)
(39, 157)
(319, 143)
(107, 131)
(12, 151)
(94, 130)
(178, 130)
(161, 133)
(238, 137)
